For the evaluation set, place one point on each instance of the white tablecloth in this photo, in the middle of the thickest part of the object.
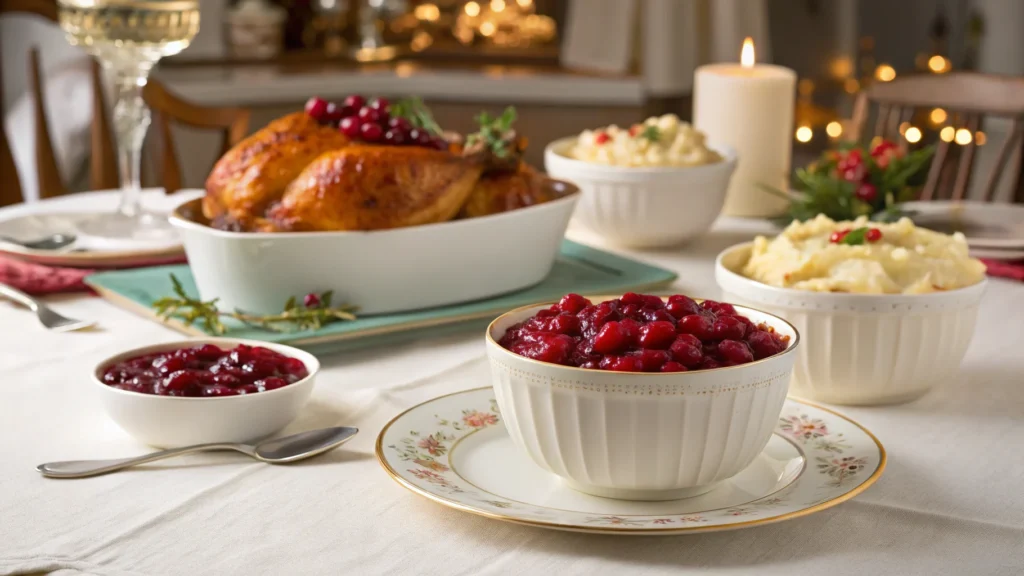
(950, 502)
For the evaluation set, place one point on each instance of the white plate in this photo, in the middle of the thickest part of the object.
(454, 450)
(997, 253)
(986, 225)
(60, 215)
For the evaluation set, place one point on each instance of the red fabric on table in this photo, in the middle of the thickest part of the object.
(38, 279)
(1005, 269)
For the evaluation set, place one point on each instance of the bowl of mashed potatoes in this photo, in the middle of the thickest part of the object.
(888, 310)
(653, 184)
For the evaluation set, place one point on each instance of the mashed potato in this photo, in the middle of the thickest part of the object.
(659, 141)
(905, 260)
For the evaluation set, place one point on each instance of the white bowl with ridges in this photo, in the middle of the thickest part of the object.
(640, 436)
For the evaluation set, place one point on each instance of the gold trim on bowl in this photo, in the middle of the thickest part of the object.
(882, 461)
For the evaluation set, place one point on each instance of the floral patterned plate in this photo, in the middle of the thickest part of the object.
(455, 450)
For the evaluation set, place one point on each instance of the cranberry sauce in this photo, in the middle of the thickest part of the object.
(642, 333)
(206, 371)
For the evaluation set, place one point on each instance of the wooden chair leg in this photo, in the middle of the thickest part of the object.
(50, 182)
(103, 163)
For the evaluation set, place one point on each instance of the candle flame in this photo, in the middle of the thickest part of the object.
(747, 54)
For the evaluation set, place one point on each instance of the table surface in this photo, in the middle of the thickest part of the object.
(949, 502)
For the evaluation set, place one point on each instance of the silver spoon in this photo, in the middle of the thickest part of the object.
(277, 451)
(51, 242)
(47, 317)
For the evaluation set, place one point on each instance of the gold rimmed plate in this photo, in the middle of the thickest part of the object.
(454, 450)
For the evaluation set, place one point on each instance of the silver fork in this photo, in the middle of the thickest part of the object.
(46, 316)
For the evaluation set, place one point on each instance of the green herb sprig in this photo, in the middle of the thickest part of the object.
(295, 316)
(417, 114)
(495, 134)
(818, 189)
(651, 133)
(855, 237)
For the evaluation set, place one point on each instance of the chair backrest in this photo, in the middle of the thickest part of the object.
(104, 166)
(165, 106)
(967, 98)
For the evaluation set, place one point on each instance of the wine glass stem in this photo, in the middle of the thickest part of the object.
(131, 120)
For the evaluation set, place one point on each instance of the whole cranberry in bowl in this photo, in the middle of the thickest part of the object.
(605, 406)
(205, 390)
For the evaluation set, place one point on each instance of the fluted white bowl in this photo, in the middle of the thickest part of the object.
(863, 349)
(173, 421)
(642, 207)
(636, 435)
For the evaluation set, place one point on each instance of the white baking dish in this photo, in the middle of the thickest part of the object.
(381, 271)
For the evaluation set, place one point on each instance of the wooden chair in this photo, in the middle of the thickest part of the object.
(165, 106)
(103, 162)
(967, 98)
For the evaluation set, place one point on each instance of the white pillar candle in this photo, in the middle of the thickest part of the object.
(750, 107)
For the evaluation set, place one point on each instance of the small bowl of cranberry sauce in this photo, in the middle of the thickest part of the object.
(641, 397)
(209, 390)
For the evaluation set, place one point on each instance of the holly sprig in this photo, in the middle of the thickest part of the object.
(417, 114)
(313, 313)
(876, 191)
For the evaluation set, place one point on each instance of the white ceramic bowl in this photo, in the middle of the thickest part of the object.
(381, 271)
(863, 349)
(639, 436)
(644, 207)
(169, 421)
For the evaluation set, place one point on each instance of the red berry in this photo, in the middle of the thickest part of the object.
(709, 364)
(334, 112)
(573, 303)
(657, 335)
(686, 353)
(439, 143)
(611, 339)
(679, 306)
(348, 111)
(728, 328)
(218, 390)
(622, 364)
(735, 352)
(369, 115)
(380, 104)
(648, 315)
(719, 308)
(882, 147)
(867, 192)
(653, 360)
(855, 174)
(354, 101)
(350, 126)
(311, 300)
(317, 108)
(652, 302)
(565, 324)
(673, 367)
(632, 311)
(697, 325)
(208, 352)
(764, 344)
(837, 236)
(873, 235)
(601, 138)
(371, 132)
(400, 123)
(395, 137)
(632, 298)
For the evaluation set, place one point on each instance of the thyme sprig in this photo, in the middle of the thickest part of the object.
(496, 134)
(313, 313)
(416, 112)
(651, 133)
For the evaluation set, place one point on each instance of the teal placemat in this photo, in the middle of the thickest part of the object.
(578, 268)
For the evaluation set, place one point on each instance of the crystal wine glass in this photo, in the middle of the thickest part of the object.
(128, 37)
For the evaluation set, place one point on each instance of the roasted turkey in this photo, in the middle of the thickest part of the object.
(301, 174)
